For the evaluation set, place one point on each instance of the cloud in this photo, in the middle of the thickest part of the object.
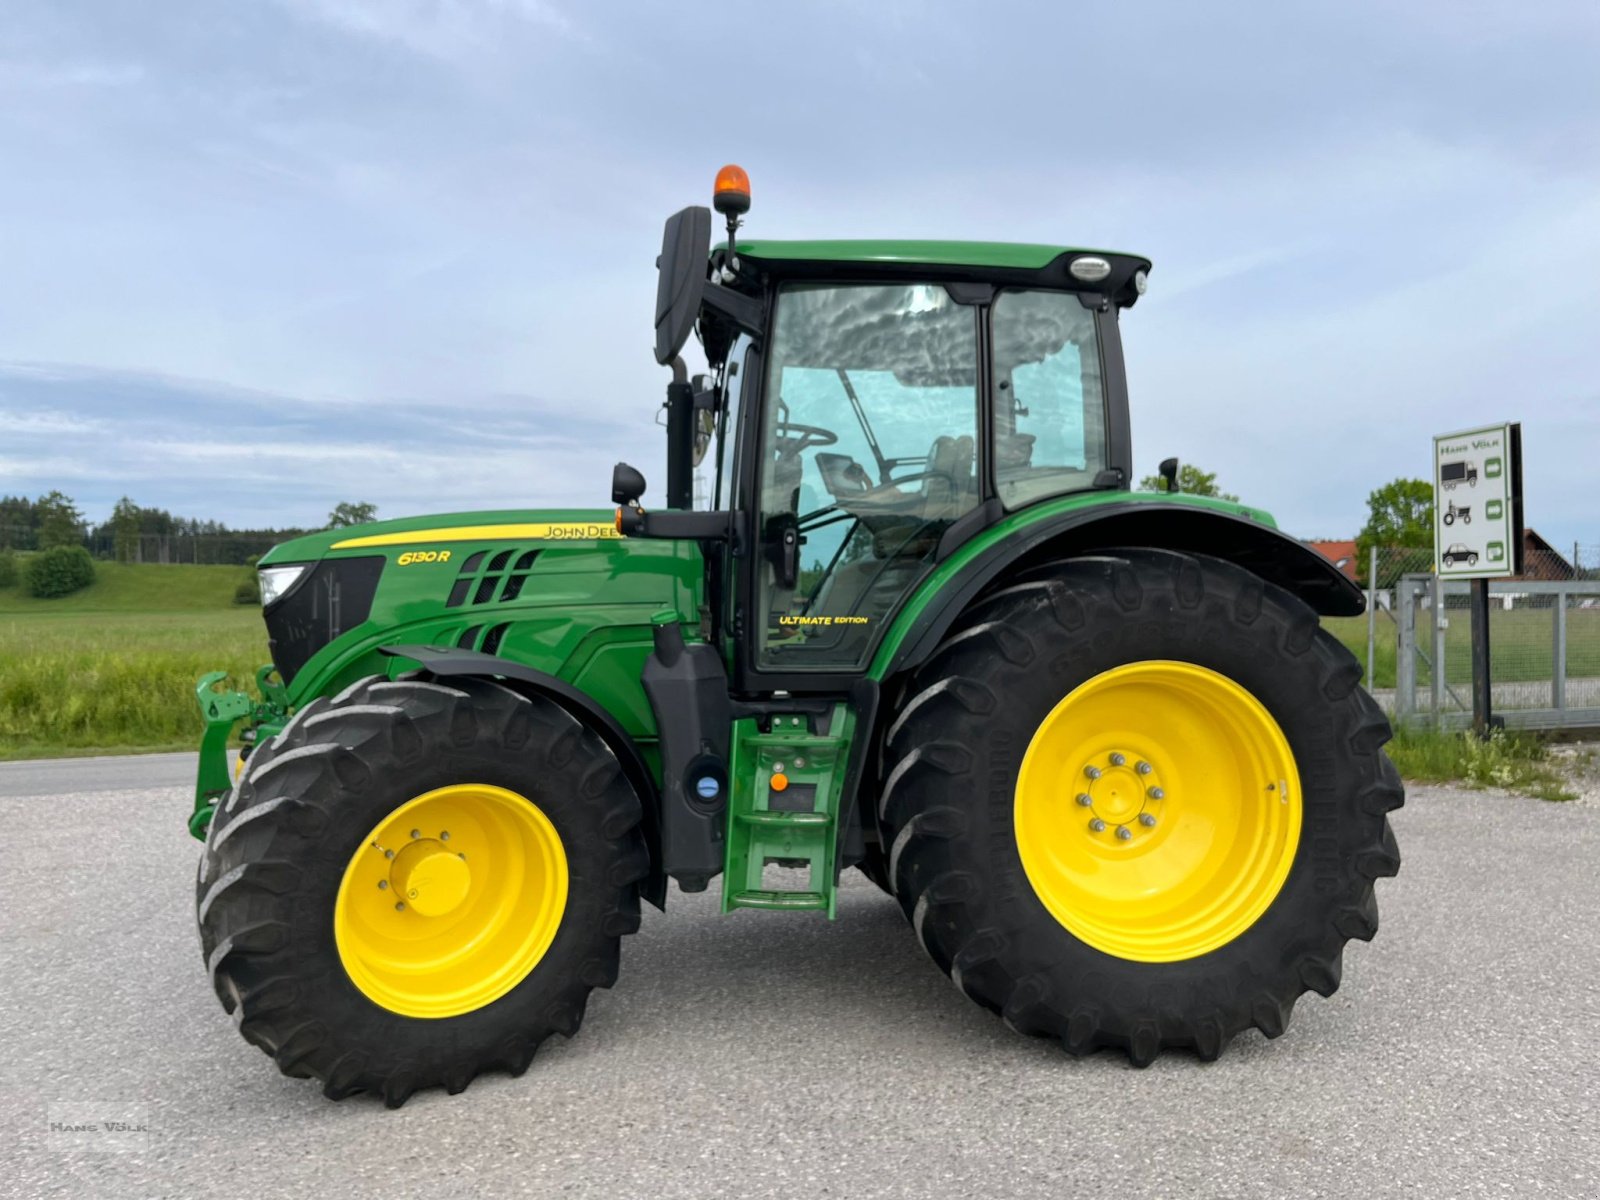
(20, 76)
(253, 459)
(443, 29)
(46, 424)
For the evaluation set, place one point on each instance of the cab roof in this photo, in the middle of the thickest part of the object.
(1021, 255)
(1003, 263)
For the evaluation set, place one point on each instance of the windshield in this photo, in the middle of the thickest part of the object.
(868, 456)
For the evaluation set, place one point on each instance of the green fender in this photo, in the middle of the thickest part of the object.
(1089, 524)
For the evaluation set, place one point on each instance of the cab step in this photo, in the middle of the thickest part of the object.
(779, 900)
(783, 810)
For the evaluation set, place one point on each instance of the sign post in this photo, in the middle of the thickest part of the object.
(1477, 531)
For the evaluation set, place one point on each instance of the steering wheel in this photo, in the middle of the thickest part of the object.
(809, 436)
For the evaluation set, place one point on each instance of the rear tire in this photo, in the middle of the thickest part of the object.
(875, 866)
(950, 806)
(301, 816)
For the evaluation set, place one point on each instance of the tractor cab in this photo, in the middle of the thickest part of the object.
(872, 406)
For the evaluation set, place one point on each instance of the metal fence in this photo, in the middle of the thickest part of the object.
(1544, 640)
(1544, 647)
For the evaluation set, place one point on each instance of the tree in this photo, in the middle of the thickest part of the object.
(60, 522)
(125, 531)
(19, 523)
(347, 513)
(1399, 517)
(1191, 479)
(59, 571)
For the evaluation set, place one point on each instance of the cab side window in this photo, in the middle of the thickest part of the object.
(1049, 427)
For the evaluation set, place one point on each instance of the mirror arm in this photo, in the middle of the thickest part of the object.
(680, 438)
(673, 524)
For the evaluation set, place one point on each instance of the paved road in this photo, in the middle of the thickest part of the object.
(769, 1054)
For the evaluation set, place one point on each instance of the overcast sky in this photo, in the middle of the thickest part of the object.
(257, 258)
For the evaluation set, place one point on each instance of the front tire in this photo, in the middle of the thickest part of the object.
(419, 881)
(1230, 903)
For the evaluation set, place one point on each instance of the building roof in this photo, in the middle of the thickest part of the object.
(1340, 554)
(1541, 560)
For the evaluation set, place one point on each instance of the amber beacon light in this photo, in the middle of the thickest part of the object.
(731, 195)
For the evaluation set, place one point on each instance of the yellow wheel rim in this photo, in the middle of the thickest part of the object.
(451, 901)
(1158, 811)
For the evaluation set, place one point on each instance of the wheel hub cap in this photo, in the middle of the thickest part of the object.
(1119, 794)
(429, 878)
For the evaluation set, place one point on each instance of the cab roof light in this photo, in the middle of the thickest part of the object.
(731, 193)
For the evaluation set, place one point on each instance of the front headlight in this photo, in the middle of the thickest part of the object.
(275, 581)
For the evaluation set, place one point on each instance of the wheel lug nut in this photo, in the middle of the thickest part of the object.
(382, 884)
(445, 836)
(1097, 825)
(1083, 799)
(1147, 820)
(1118, 759)
(1143, 767)
(1092, 772)
(388, 853)
(400, 906)
(1157, 794)
(415, 834)
(1124, 833)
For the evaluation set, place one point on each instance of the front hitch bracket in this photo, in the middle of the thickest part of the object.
(221, 711)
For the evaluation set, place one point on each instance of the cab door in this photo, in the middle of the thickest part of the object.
(867, 451)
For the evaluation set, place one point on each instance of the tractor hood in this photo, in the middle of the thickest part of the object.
(539, 586)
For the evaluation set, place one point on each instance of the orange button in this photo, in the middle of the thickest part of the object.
(779, 782)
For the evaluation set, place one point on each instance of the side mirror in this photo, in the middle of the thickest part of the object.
(1169, 472)
(684, 262)
(627, 485)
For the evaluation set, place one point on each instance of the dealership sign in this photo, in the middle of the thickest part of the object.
(1477, 502)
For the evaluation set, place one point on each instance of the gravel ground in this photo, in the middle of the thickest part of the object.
(1580, 763)
(770, 1054)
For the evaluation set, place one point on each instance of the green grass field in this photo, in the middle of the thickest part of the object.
(113, 667)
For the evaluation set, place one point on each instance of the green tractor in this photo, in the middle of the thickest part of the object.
(901, 611)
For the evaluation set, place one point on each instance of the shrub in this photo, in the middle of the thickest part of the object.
(8, 569)
(248, 591)
(59, 571)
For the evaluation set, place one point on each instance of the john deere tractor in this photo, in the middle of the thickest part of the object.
(899, 611)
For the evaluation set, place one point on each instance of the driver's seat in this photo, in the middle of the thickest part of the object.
(947, 485)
